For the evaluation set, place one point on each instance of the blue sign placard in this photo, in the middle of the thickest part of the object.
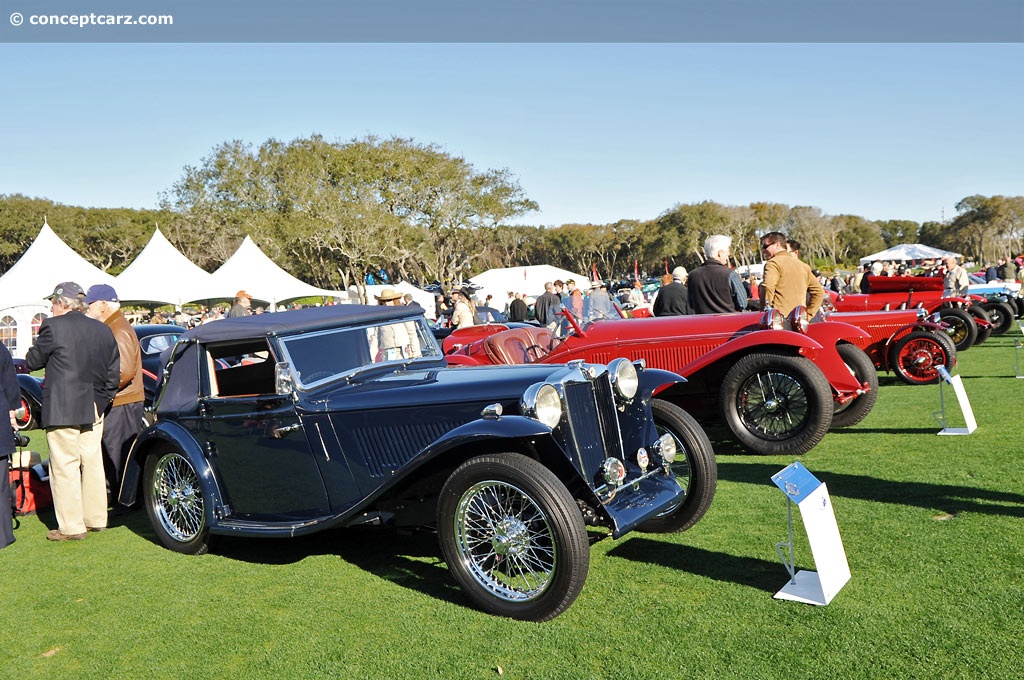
(796, 481)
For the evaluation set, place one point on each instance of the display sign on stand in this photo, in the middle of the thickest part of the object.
(961, 396)
(810, 495)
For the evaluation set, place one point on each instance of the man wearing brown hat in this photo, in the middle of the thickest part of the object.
(243, 301)
(82, 367)
(124, 420)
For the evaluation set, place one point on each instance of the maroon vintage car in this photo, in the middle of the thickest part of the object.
(965, 319)
(776, 390)
(906, 342)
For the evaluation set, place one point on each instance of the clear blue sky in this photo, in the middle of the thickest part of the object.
(594, 133)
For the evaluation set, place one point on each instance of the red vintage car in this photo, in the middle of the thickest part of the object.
(776, 390)
(965, 319)
(907, 343)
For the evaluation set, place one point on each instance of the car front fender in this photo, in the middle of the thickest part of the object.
(31, 387)
(173, 434)
(829, 334)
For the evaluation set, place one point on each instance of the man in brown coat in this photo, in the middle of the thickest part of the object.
(788, 282)
(123, 423)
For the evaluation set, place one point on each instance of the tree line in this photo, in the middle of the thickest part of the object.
(333, 212)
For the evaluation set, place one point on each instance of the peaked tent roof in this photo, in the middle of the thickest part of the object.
(161, 274)
(909, 251)
(250, 269)
(47, 262)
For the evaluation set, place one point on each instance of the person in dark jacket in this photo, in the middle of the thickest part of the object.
(10, 396)
(714, 287)
(548, 304)
(517, 309)
(672, 298)
(82, 370)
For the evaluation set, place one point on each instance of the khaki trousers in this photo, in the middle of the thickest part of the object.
(76, 477)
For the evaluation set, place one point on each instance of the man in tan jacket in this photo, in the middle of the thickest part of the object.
(124, 421)
(788, 282)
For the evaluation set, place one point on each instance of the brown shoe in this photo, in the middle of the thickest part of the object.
(95, 528)
(56, 535)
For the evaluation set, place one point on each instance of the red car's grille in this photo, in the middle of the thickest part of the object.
(668, 357)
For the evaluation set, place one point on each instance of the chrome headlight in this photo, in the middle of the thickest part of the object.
(798, 319)
(624, 378)
(772, 320)
(614, 471)
(541, 402)
(667, 448)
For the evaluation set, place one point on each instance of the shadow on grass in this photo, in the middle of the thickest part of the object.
(946, 497)
(746, 571)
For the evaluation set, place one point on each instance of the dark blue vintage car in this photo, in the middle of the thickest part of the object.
(289, 423)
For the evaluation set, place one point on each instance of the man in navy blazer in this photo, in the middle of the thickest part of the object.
(82, 366)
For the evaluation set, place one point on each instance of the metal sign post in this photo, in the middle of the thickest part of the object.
(965, 405)
(811, 496)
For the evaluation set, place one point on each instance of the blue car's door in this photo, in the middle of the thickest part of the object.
(259, 450)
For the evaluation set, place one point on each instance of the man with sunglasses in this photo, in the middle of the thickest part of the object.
(788, 282)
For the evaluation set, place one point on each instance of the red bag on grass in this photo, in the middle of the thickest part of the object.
(30, 483)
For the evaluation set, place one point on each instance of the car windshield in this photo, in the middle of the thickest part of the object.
(154, 344)
(321, 356)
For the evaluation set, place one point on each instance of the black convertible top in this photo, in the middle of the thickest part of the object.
(296, 320)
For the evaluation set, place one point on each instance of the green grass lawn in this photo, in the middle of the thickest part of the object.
(932, 528)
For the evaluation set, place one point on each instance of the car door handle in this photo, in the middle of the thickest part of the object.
(279, 432)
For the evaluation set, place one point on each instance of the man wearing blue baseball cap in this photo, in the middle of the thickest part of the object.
(124, 420)
(81, 361)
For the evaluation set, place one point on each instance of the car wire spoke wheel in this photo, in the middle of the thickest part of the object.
(772, 405)
(962, 329)
(776, 404)
(175, 502)
(917, 357)
(513, 537)
(505, 541)
(178, 500)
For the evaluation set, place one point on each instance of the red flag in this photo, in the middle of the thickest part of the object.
(666, 265)
(636, 270)
(594, 276)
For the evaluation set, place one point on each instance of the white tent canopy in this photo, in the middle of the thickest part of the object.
(25, 286)
(250, 269)
(161, 274)
(529, 279)
(47, 262)
(907, 252)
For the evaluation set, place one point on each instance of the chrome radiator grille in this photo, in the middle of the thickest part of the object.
(593, 423)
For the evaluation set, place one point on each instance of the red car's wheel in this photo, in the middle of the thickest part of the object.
(962, 329)
(917, 356)
(23, 418)
(776, 404)
(857, 409)
(1001, 316)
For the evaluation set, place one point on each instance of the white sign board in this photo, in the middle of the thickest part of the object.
(965, 406)
(833, 571)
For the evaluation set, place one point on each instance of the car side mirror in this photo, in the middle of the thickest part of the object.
(283, 378)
